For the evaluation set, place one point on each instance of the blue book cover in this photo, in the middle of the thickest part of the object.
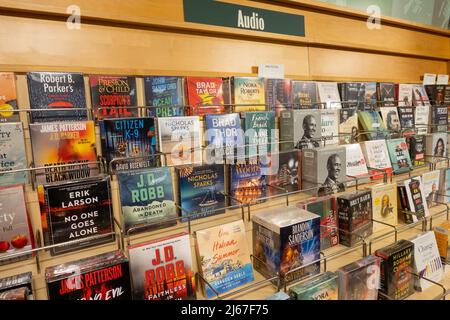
(286, 242)
(56, 90)
(223, 135)
(165, 95)
(399, 155)
(147, 198)
(12, 154)
(248, 184)
(201, 190)
(133, 138)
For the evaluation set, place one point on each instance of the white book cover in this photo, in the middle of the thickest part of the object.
(405, 95)
(330, 126)
(420, 97)
(431, 185)
(329, 94)
(180, 139)
(376, 154)
(390, 118)
(416, 197)
(427, 261)
(356, 163)
(421, 119)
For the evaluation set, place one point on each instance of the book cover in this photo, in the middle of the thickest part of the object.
(384, 206)
(436, 145)
(356, 164)
(17, 287)
(352, 94)
(278, 94)
(442, 234)
(421, 119)
(439, 118)
(285, 169)
(324, 286)
(247, 182)
(64, 143)
(130, 142)
(205, 95)
(304, 94)
(146, 199)
(348, 126)
(416, 146)
(79, 211)
(391, 119)
(164, 95)
(355, 217)
(396, 279)
(420, 97)
(386, 94)
(201, 190)
(417, 202)
(326, 209)
(300, 129)
(102, 277)
(259, 133)
(405, 95)
(444, 187)
(369, 89)
(329, 94)
(16, 234)
(162, 269)
(377, 158)
(431, 183)
(12, 154)
(282, 243)
(224, 258)
(248, 92)
(399, 155)
(407, 121)
(436, 94)
(179, 138)
(8, 98)
(56, 90)
(325, 168)
(427, 261)
(359, 280)
(373, 125)
(111, 95)
(224, 137)
(330, 126)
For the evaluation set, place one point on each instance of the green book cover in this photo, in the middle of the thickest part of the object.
(399, 155)
(259, 132)
(321, 287)
(373, 126)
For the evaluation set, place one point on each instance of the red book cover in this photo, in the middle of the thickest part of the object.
(205, 91)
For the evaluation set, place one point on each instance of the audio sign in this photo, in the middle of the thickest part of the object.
(242, 17)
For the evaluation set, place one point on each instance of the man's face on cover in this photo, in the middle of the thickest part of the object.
(310, 127)
(334, 167)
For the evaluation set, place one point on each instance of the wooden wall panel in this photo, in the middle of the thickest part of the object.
(323, 28)
(47, 45)
(354, 66)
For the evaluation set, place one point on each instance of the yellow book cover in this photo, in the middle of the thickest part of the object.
(384, 206)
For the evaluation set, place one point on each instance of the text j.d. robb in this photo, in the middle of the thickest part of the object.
(253, 22)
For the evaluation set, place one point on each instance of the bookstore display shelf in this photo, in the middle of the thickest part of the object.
(261, 287)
